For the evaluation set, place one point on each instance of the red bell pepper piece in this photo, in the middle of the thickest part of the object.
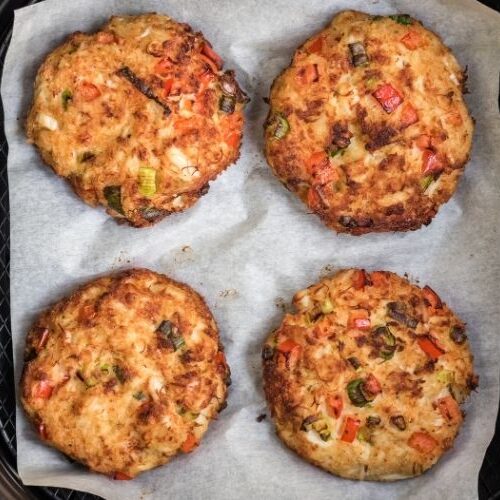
(409, 116)
(121, 476)
(212, 55)
(360, 319)
(350, 430)
(44, 337)
(432, 297)
(429, 347)
(372, 385)
(359, 279)
(316, 45)
(308, 74)
(189, 444)
(411, 40)
(43, 389)
(388, 97)
(335, 405)
(431, 162)
(423, 442)
(449, 409)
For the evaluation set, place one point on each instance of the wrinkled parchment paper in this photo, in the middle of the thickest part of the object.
(248, 245)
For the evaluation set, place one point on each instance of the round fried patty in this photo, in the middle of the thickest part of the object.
(125, 373)
(138, 117)
(366, 378)
(368, 124)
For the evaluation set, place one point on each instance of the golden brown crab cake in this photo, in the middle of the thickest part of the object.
(368, 124)
(138, 117)
(366, 378)
(125, 373)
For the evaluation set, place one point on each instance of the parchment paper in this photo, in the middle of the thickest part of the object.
(251, 245)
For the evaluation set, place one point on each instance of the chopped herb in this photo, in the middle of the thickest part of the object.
(227, 104)
(261, 417)
(426, 181)
(87, 381)
(373, 421)
(120, 373)
(139, 395)
(355, 392)
(384, 341)
(105, 368)
(334, 151)
(66, 96)
(318, 424)
(326, 306)
(354, 362)
(170, 334)
(371, 82)
(178, 342)
(113, 197)
(86, 156)
(281, 126)
(364, 434)
(457, 334)
(404, 19)
(147, 181)
(166, 327)
(446, 377)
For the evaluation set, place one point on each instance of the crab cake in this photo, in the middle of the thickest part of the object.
(368, 125)
(125, 373)
(138, 117)
(366, 378)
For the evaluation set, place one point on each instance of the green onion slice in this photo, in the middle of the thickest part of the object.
(147, 181)
(282, 127)
(66, 96)
(113, 197)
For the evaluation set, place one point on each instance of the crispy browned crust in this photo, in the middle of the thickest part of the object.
(376, 184)
(327, 348)
(123, 397)
(118, 116)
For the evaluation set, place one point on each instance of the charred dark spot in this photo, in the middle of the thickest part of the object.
(152, 214)
(204, 190)
(341, 137)
(398, 312)
(427, 368)
(108, 385)
(457, 334)
(148, 411)
(473, 381)
(354, 362)
(121, 373)
(397, 209)
(361, 340)
(30, 354)
(261, 417)
(399, 422)
(347, 221)
(379, 137)
(267, 353)
(311, 111)
(373, 421)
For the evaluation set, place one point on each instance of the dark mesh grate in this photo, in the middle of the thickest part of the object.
(489, 478)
